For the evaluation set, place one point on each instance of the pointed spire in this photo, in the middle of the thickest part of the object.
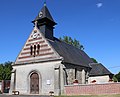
(44, 13)
(45, 22)
(45, 3)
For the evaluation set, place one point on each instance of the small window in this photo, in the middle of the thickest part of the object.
(75, 73)
(31, 50)
(34, 50)
(38, 49)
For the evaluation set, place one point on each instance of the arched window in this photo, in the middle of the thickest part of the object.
(38, 49)
(34, 50)
(31, 50)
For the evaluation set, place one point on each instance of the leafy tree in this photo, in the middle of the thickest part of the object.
(71, 41)
(1, 71)
(94, 60)
(75, 43)
(118, 76)
(5, 71)
(115, 79)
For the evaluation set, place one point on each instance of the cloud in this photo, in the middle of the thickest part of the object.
(99, 5)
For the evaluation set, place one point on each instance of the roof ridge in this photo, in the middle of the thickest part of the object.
(68, 44)
(70, 53)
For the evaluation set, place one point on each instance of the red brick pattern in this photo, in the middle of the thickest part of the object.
(44, 52)
(93, 89)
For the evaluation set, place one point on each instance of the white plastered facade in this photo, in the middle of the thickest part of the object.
(47, 66)
(99, 79)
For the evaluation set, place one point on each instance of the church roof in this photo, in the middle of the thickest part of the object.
(44, 13)
(98, 70)
(70, 53)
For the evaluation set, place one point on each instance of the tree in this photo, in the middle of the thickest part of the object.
(1, 71)
(94, 60)
(115, 79)
(75, 43)
(5, 71)
(118, 76)
(71, 41)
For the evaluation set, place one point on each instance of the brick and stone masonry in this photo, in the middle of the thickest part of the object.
(93, 89)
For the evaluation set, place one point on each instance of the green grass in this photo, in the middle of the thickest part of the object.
(117, 95)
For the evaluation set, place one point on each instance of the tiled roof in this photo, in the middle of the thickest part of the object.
(98, 70)
(70, 53)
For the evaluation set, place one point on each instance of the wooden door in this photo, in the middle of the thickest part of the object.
(34, 83)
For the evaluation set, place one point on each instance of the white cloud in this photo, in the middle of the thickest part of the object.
(99, 5)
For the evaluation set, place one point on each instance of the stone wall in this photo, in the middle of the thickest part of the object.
(4, 86)
(99, 79)
(74, 72)
(93, 89)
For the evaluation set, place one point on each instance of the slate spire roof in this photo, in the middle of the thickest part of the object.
(45, 22)
(44, 13)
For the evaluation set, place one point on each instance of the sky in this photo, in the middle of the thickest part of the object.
(95, 23)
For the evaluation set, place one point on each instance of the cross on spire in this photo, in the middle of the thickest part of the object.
(45, 3)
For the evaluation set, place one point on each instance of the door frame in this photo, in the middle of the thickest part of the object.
(40, 81)
(34, 83)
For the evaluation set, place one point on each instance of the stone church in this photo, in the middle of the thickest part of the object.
(47, 64)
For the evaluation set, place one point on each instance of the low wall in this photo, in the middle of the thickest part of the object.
(4, 86)
(93, 89)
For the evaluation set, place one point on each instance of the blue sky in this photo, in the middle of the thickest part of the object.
(95, 23)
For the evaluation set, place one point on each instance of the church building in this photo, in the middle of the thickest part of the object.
(46, 63)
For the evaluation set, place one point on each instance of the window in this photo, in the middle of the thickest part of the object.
(75, 73)
(38, 49)
(31, 50)
(34, 50)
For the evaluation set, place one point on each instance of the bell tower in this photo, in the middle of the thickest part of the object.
(45, 22)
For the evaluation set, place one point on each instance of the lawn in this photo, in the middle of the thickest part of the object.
(118, 95)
